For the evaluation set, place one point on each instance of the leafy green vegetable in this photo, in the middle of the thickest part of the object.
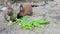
(40, 21)
(8, 17)
(11, 23)
(30, 24)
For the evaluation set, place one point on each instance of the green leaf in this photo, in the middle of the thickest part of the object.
(8, 17)
(24, 23)
(11, 23)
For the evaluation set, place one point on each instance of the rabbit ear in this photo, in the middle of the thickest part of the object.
(8, 3)
(21, 7)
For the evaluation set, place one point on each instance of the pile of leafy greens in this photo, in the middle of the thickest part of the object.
(24, 23)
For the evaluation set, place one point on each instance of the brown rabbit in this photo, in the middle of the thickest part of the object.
(25, 9)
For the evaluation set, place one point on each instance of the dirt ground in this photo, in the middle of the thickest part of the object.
(50, 11)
